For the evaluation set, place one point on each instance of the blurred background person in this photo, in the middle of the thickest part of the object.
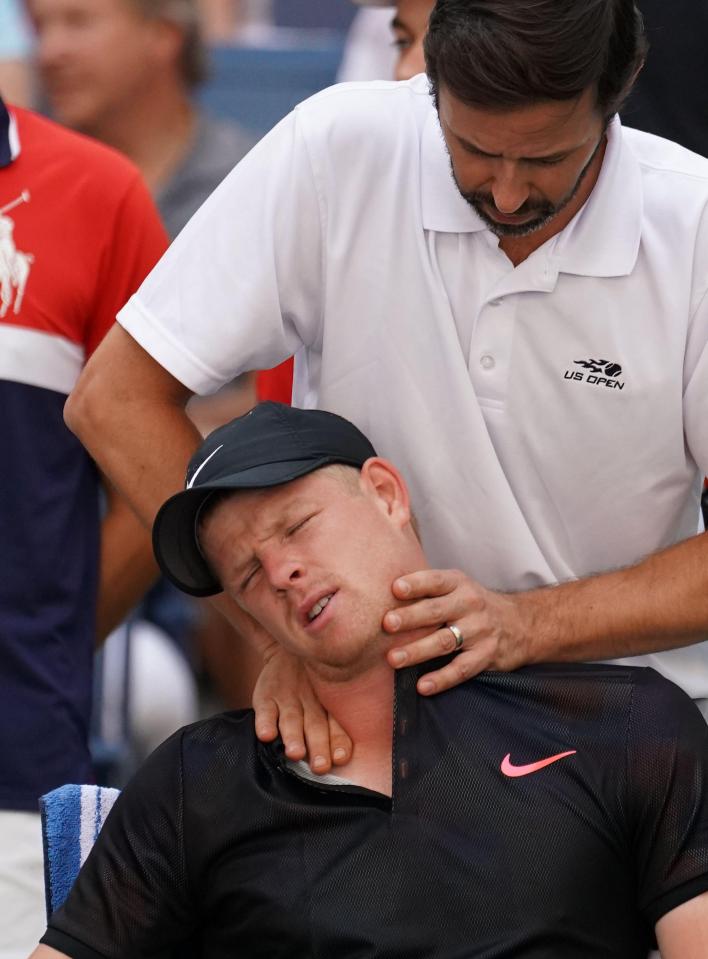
(15, 50)
(78, 233)
(222, 19)
(368, 53)
(125, 72)
(386, 40)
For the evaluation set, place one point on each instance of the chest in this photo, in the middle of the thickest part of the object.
(466, 862)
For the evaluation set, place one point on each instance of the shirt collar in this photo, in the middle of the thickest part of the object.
(9, 137)
(443, 208)
(601, 240)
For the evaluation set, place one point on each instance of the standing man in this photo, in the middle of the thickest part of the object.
(496, 259)
(78, 232)
(124, 71)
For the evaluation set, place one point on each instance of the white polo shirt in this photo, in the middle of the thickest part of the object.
(551, 419)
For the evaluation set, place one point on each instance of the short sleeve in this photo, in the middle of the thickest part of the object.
(667, 777)
(241, 287)
(135, 242)
(131, 897)
(695, 396)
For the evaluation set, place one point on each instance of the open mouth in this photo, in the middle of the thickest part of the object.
(318, 608)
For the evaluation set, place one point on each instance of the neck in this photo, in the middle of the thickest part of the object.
(364, 707)
(519, 248)
(154, 131)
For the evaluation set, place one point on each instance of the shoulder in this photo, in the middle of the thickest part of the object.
(665, 159)
(368, 112)
(225, 735)
(628, 698)
(194, 758)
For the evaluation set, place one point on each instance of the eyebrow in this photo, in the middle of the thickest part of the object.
(473, 148)
(398, 24)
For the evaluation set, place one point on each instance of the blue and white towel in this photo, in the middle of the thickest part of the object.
(72, 817)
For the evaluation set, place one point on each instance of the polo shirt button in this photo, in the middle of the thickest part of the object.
(487, 362)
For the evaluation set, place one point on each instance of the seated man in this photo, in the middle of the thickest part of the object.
(559, 811)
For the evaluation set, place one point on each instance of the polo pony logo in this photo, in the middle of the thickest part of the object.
(15, 265)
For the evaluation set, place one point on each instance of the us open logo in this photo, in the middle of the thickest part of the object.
(604, 373)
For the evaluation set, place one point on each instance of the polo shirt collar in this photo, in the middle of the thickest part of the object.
(9, 137)
(601, 240)
(443, 208)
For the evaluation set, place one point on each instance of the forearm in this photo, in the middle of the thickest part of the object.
(127, 565)
(129, 413)
(46, 952)
(660, 603)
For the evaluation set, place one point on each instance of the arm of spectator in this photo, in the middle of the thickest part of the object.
(46, 952)
(130, 414)
(127, 564)
(683, 932)
(661, 603)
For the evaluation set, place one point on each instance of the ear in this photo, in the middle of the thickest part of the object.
(381, 480)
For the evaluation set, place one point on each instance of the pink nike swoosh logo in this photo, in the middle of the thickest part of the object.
(509, 769)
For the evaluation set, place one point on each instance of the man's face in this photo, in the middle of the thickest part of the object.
(519, 169)
(313, 562)
(94, 56)
(409, 25)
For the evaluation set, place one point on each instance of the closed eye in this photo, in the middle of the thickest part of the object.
(299, 525)
(249, 576)
(546, 161)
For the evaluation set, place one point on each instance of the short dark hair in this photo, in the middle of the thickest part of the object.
(506, 54)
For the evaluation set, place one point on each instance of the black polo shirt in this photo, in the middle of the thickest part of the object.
(557, 811)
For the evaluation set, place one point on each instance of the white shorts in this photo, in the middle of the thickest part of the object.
(22, 902)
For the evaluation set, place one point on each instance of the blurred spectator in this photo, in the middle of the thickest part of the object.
(124, 71)
(222, 19)
(369, 53)
(671, 94)
(15, 49)
(78, 232)
(401, 27)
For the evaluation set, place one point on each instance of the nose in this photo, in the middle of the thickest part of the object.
(283, 570)
(50, 45)
(509, 189)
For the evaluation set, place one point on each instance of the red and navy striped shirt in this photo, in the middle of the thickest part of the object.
(78, 232)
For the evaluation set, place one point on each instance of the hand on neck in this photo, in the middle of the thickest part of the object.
(363, 705)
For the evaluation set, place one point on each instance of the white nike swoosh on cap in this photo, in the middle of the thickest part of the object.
(190, 484)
